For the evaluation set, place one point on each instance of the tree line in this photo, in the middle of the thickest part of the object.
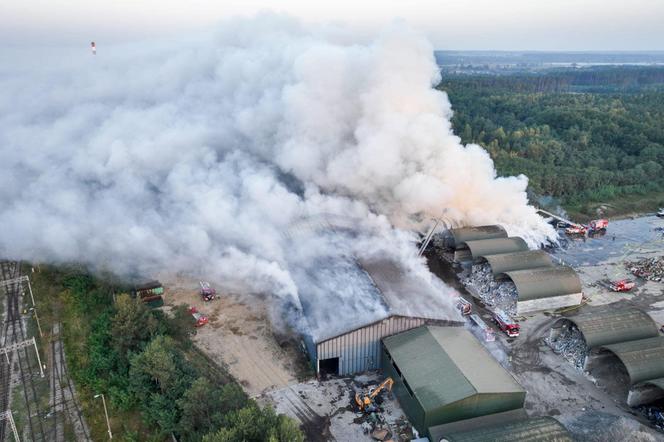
(591, 146)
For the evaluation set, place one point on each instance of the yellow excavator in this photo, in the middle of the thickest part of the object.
(365, 401)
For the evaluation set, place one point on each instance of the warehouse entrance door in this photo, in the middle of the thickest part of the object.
(329, 366)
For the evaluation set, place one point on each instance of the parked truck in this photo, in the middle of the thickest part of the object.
(506, 324)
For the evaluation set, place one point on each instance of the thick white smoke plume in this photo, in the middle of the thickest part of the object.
(222, 156)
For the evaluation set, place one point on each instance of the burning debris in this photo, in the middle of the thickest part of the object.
(651, 269)
(499, 294)
(571, 345)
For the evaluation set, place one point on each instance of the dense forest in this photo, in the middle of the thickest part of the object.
(581, 135)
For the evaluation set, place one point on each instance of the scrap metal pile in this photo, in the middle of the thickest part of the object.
(651, 269)
(499, 294)
(571, 345)
(654, 414)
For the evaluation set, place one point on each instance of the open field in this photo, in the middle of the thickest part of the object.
(239, 337)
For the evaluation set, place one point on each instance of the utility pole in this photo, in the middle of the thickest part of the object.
(32, 298)
(10, 417)
(34, 310)
(108, 424)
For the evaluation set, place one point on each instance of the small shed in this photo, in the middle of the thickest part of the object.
(443, 374)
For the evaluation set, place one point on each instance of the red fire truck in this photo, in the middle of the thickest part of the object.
(622, 285)
(199, 318)
(506, 324)
(598, 224)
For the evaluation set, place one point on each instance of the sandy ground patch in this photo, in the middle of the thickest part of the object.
(239, 338)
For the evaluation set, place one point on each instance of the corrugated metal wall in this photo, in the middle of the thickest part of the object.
(360, 350)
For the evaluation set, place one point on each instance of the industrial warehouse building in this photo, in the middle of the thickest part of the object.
(545, 288)
(443, 374)
(382, 298)
(502, 427)
(540, 285)
(630, 335)
(609, 325)
(644, 361)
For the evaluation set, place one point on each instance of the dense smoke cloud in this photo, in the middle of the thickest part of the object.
(227, 156)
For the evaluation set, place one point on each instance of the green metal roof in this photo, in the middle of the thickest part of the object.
(462, 235)
(443, 365)
(659, 383)
(492, 246)
(529, 259)
(606, 326)
(643, 359)
(537, 429)
(545, 282)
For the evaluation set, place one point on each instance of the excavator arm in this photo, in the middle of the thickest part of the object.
(364, 401)
(386, 383)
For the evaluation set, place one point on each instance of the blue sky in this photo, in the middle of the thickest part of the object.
(449, 24)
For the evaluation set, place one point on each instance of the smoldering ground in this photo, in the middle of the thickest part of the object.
(200, 156)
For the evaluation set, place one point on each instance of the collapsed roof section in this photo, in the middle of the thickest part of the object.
(522, 260)
(643, 359)
(544, 282)
(601, 327)
(345, 295)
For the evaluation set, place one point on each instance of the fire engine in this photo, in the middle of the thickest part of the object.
(577, 229)
(506, 324)
(622, 285)
(207, 292)
(598, 224)
(199, 318)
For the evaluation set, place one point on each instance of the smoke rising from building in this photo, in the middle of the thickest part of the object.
(213, 156)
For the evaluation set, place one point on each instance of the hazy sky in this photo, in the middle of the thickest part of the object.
(450, 24)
